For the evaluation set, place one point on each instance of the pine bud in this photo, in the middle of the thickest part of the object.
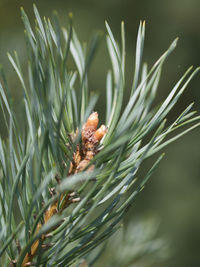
(99, 134)
(92, 121)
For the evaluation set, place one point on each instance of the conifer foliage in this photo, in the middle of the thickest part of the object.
(65, 184)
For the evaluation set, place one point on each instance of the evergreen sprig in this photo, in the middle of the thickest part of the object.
(37, 155)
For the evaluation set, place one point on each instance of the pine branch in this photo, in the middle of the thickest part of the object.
(63, 182)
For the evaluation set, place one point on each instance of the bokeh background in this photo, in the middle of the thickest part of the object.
(173, 194)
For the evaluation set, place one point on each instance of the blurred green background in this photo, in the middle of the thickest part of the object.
(173, 194)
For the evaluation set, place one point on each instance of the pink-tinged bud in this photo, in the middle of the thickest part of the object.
(99, 134)
(92, 121)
